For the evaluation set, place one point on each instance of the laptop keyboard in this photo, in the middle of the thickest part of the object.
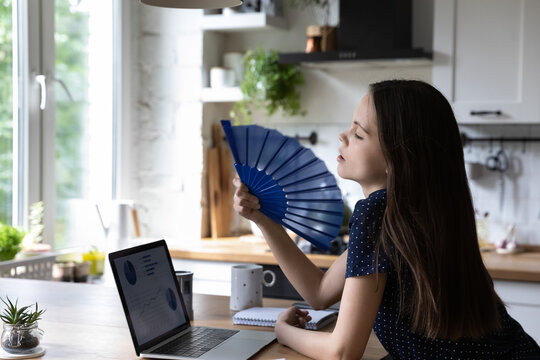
(196, 342)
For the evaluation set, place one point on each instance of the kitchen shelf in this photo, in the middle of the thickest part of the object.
(242, 22)
(224, 94)
(359, 58)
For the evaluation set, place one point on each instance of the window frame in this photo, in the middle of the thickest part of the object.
(34, 129)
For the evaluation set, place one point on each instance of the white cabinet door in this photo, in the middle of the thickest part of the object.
(523, 303)
(487, 59)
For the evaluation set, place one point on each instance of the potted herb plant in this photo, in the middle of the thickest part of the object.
(10, 241)
(20, 333)
(268, 84)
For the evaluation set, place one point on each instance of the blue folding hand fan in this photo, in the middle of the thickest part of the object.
(294, 187)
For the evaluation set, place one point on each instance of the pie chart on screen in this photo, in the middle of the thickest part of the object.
(129, 272)
(171, 300)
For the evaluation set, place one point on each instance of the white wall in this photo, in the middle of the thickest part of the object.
(166, 154)
(170, 126)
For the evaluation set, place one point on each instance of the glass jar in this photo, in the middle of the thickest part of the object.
(482, 231)
(20, 339)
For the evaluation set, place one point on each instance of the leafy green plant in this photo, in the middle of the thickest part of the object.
(10, 240)
(268, 84)
(20, 316)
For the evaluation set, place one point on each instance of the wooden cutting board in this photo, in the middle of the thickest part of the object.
(219, 185)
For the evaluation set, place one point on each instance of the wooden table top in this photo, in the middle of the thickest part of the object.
(522, 266)
(85, 321)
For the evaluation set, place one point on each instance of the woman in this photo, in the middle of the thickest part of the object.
(413, 270)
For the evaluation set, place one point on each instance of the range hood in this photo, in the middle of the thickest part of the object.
(369, 30)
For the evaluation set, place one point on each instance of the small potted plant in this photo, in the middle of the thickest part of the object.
(20, 333)
(268, 84)
(10, 241)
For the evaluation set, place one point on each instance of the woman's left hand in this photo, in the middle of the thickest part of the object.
(294, 316)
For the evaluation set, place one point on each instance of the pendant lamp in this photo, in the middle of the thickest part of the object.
(193, 4)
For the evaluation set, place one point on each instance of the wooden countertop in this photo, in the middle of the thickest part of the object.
(249, 249)
(522, 266)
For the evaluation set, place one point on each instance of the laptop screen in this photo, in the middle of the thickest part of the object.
(148, 287)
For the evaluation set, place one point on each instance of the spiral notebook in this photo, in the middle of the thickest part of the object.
(267, 316)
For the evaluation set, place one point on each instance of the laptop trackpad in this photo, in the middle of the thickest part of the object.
(235, 348)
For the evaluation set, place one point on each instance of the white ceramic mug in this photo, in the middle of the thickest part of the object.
(246, 285)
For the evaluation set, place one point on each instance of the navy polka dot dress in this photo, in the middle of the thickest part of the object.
(394, 333)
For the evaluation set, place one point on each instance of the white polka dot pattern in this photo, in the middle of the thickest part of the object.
(364, 227)
(394, 333)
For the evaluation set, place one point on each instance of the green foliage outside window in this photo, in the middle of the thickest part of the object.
(71, 44)
(6, 112)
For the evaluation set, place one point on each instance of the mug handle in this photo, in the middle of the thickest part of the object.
(272, 282)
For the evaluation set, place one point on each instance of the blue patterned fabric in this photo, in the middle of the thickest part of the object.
(394, 333)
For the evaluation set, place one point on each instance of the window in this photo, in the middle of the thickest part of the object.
(83, 115)
(64, 147)
(6, 113)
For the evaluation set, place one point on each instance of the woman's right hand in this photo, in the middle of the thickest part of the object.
(246, 204)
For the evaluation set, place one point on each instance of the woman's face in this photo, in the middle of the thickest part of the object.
(360, 155)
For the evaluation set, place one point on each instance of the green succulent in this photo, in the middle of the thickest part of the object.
(268, 84)
(22, 316)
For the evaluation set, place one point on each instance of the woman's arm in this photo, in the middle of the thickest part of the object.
(319, 289)
(360, 303)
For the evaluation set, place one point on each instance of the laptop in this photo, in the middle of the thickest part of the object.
(157, 317)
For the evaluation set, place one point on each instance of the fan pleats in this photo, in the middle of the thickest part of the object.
(293, 186)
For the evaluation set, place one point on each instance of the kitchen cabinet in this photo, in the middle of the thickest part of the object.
(486, 59)
(523, 303)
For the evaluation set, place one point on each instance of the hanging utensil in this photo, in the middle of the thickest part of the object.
(499, 162)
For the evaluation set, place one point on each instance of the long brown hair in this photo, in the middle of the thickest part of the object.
(428, 230)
